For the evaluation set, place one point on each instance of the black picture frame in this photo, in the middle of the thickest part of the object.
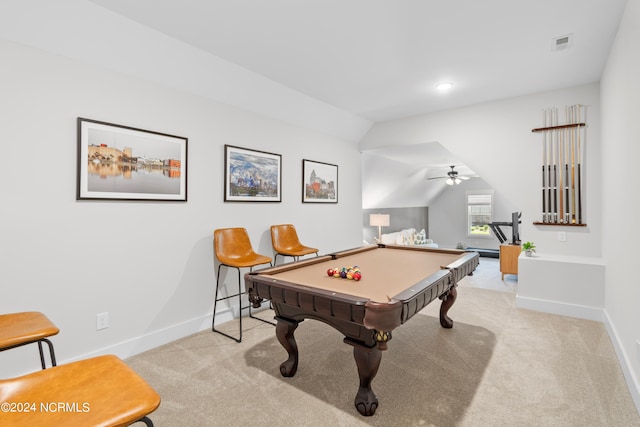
(252, 175)
(319, 182)
(117, 162)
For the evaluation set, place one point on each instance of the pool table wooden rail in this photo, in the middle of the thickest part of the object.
(298, 302)
(344, 311)
(365, 323)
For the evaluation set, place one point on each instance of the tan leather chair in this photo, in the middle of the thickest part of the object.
(18, 329)
(232, 247)
(100, 391)
(286, 243)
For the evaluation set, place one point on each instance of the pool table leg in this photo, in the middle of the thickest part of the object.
(447, 301)
(368, 361)
(284, 333)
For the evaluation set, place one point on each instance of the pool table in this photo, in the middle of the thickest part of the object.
(397, 282)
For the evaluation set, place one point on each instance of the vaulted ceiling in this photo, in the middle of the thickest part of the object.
(381, 59)
(336, 66)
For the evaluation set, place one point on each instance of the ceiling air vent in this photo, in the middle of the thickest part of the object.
(562, 42)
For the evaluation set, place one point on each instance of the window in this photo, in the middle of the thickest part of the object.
(479, 213)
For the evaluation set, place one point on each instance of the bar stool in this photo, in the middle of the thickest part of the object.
(233, 249)
(285, 241)
(18, 329)
(100, 391)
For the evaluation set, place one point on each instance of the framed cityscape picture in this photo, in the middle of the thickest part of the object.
(118, 162)
(319, 182)
(251, 175)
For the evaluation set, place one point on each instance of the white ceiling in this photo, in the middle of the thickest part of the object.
(380, 59)
(430, 157)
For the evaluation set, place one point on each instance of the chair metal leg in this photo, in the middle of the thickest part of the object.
(239, 295)
(295, 257)
(51, 353)
(39, 342)
(215, 301)
(249, 307)
(145, 420)
(275, 258)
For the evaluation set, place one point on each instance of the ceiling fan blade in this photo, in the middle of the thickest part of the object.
(464, 177)
(437, 177)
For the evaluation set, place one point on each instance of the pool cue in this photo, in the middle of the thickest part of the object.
(579, 171)
(548, 144)
(573, 165)
(544, 159)
(560, 186)
(563, 171)
(549, 162)
(567, 200)
(555, 193)
(554, 121)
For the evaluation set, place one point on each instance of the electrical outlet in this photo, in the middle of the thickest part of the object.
(102, 321)
(562, 236)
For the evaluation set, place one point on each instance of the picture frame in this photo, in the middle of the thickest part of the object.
(319, 182)
(117, 162)
(252, 175)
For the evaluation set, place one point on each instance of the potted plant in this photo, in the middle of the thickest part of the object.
(528, 248)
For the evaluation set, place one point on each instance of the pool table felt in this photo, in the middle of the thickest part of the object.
(386, 272)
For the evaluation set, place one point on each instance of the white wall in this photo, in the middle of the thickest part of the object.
(496, 142)
(387, 183)
(448, 218)
(83, 30)
(621, 199)
(149, 264)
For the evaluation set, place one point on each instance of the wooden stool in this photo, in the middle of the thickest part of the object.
(232, 247)
(18, 329)
(285, 241)
(101, 391)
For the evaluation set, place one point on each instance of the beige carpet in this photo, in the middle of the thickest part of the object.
(498, 366)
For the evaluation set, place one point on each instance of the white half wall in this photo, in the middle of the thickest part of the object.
(566, 285)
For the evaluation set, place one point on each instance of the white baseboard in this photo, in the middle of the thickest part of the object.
(561, 308)
(159, 337)
(154, 339)
(632, 380)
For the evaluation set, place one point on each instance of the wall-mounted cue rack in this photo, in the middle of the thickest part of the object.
(562, 161)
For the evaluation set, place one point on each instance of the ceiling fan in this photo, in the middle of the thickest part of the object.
(452, 177)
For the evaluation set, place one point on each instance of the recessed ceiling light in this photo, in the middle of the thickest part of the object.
(444, 86)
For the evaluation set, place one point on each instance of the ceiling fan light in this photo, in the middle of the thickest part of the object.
(449, 181)
(458, 181)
